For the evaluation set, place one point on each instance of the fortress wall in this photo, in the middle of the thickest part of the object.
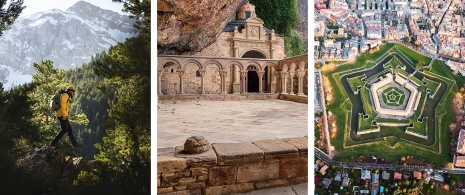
(416, 134)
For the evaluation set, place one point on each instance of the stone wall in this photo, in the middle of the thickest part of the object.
(294, 98)
(230, 168)
(170, 80)
(222, 47)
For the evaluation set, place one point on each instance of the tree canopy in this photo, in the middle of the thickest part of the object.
(9, 13)
(281, 15)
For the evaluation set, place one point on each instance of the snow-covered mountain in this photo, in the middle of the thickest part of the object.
(68, 38)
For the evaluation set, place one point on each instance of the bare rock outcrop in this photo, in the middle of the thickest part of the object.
(45, 166)
(302, 22)
(186, 26)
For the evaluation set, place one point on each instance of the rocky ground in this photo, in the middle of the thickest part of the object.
(48, 165)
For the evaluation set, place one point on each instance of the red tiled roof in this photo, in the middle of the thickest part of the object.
(416, 174)
(461, 142)
(397, 176)
(460, 161)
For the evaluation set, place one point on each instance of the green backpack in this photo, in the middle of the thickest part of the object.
(55, 103)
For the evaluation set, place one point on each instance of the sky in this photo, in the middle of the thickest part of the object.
(33, 6)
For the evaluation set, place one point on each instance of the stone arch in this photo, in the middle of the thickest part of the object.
(270, 64)
(258, 52)
(253, 63)
(191, 78)
(284, 67)
(212, 78)
(238, 63)
(170, 80)
(233, 83)
(189, 61)
(269, 79)
(252, 80)
(169, 60)
(205, 64)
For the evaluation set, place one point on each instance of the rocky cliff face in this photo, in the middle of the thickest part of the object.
(186, 26)
(46, 166)
(302, 22)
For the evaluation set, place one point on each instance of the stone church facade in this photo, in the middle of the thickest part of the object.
(246, 58)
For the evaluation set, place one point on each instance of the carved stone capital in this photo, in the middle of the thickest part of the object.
(291, 73)
(223, 73)
(277, 74)
(180, 72)
(243, 73)
(202, 73)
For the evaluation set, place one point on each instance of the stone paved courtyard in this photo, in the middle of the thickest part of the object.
(230, 121)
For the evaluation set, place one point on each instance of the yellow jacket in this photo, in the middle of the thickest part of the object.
(65, 105)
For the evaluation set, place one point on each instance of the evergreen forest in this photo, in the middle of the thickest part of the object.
(110, 116)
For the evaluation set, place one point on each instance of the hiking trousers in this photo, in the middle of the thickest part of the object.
(65, 128)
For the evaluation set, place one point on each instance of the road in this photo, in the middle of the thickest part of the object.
(325, 115)
(390, 167)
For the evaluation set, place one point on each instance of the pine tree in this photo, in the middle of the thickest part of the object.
(8, 14)
(48, 80)
(126, 148)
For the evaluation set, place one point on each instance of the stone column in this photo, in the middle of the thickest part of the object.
(291, 79)
(236, 80)
(243, 75)
(260, 84)
(277, 81)
(300, 75)
(181, 74)
(283, 82)
(236, 52)
(202, 74)
(223, 81)
(273, 80)
(159, 74)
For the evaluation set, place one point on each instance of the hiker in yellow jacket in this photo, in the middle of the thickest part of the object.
(63, 115)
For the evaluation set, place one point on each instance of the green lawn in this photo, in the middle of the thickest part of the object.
(421, 104)
(379, 145)
(393, 96)
(366, 99)
(440, 68)
(416, 81)
(431, 85)
(396, 121)
(403, 73)
(413, 55)
(419, 127)
(355, 82)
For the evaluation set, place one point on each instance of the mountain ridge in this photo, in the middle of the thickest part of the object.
(68, 38)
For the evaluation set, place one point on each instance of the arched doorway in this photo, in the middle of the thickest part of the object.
(254, 54)
(252, 79)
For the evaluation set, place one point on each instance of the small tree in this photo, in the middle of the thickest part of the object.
(8, 14)
(419, 65)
